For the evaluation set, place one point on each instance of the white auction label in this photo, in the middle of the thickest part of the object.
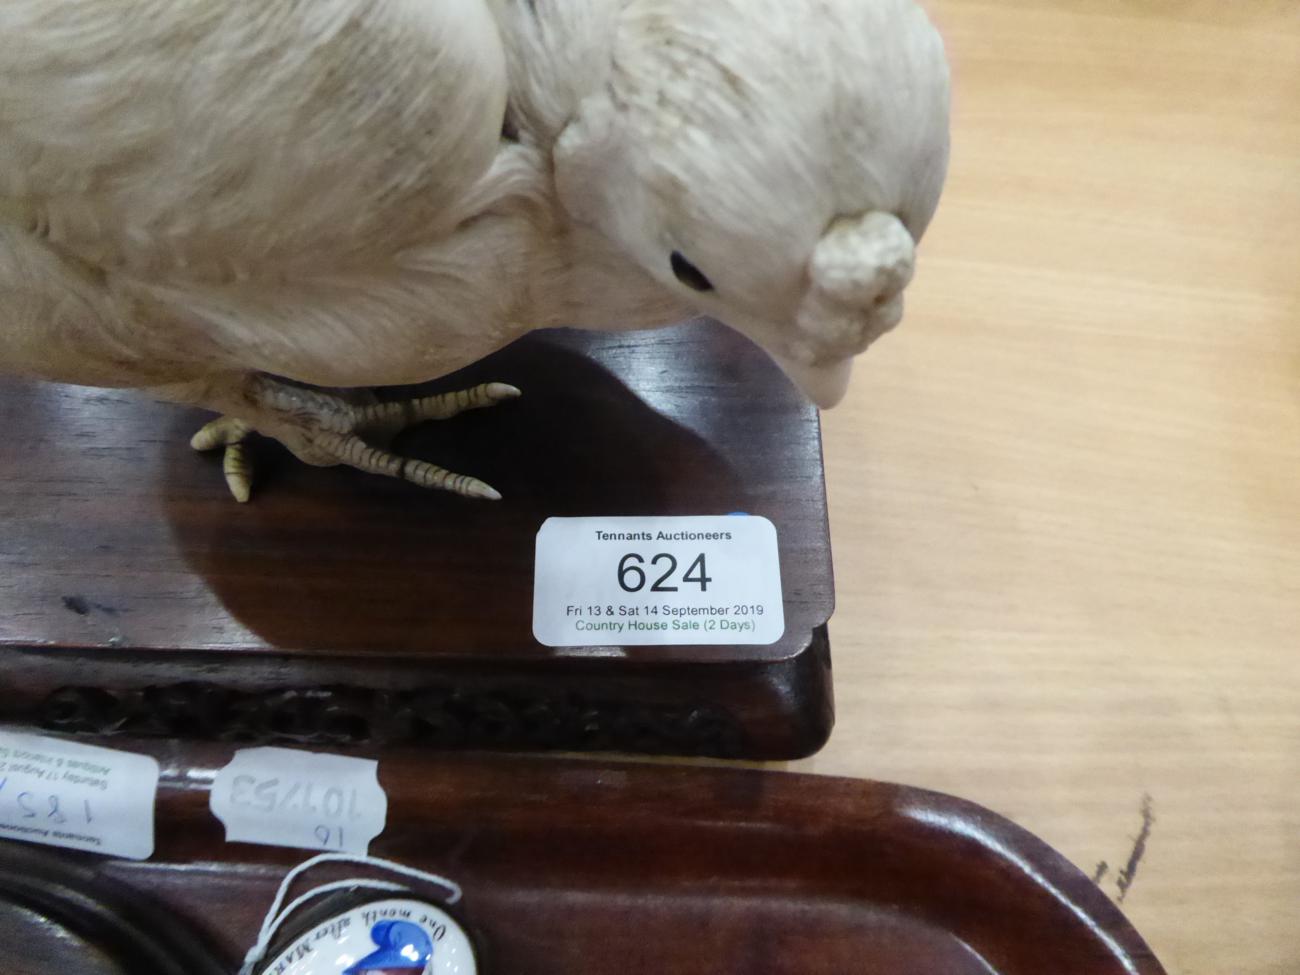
(306, 800)
(657, 581)
(82, 797)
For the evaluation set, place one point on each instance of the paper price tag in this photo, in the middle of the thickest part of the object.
(657, 581)
(306, 800)
(81, 797)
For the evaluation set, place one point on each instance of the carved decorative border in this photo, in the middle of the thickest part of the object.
(436, 717)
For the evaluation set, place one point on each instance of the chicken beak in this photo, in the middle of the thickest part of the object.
(824, 384)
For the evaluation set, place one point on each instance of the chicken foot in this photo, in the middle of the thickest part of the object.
(324, 429)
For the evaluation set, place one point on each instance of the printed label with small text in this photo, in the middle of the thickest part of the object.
(81, 797)
(708, 579)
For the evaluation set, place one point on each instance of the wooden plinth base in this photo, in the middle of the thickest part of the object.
(136, 597)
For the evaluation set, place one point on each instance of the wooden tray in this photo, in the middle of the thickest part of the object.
(589, 868)
(340, 608)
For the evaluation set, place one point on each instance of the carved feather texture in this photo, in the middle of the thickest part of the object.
(319, 189)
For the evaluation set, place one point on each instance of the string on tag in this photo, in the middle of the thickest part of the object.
(276, 915)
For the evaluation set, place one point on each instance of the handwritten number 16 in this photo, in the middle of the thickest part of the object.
(330, 836)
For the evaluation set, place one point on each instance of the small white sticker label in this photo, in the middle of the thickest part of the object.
(657, 581)
(81, 797)
(306, 800)
(398, 936)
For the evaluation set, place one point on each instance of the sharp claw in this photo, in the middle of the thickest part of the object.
(241, 491)
(221, 432)
(205, 439)
(477, 489)
(503, 391)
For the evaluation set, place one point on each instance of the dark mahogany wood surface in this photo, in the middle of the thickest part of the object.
(61, 916)
(590, 868)
(126, 569)
(116, 534)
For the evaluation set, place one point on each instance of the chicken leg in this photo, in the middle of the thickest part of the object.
(324, 429)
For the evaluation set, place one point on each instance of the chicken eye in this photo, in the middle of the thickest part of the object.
(688, 274)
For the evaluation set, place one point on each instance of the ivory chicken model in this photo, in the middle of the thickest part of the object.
(244, 205)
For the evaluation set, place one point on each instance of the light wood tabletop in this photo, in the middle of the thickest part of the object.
(1065, 495)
